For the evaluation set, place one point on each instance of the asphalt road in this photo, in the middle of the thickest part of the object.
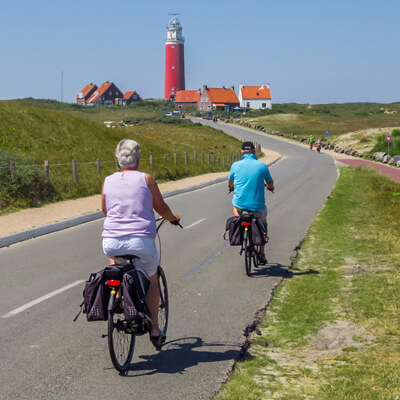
(44, 355)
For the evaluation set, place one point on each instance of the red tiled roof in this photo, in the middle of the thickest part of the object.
(128, 95)
(250, 92)
(187, 96)
(102, 89)
(221, 95)
(86, 90)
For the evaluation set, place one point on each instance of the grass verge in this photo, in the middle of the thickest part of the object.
(332, 330)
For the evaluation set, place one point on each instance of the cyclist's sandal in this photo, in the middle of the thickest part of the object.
(262, 260)
(158, 340)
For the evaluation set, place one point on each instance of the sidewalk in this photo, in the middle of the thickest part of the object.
(64, 210)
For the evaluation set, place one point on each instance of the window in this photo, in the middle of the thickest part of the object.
(116, 93)
(208, 108)
(202, 100)
(173, 46)
(172, 66)
(264, 105)
(110, 93)
(201, 108)
(248, 104)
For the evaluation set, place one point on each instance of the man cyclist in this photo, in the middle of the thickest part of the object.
(246, 178)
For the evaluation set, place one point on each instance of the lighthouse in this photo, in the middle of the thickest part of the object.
(174, 59)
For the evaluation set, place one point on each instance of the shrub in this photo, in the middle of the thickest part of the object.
(29, 186)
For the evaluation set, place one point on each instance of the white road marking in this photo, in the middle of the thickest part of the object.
(195, 223)
(40, 299)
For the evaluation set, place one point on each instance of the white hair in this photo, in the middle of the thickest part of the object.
(127, 153)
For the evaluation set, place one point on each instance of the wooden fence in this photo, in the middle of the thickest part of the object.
(211, 160)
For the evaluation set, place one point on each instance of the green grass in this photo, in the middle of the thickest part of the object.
(315, 119)
(43, 130)
(346, 280)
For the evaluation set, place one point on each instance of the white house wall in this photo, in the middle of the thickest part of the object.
(255, 103)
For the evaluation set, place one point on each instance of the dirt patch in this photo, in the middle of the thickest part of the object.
(362, 140)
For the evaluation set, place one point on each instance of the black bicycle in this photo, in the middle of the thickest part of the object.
(250, 250)
(122, 333)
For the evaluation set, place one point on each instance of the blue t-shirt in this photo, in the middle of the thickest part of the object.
(248, 176)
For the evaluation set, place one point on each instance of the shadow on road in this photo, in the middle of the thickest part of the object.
(278, 270)
(178, 355)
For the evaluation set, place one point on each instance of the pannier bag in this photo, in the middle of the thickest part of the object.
(233, 227)
(94, 297)
(235, 231)
(135, 285)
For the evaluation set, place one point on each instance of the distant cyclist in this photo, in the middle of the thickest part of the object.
(311, 140)
(247, 179)
(127, 200)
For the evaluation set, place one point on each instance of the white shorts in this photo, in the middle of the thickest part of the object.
(142, 247)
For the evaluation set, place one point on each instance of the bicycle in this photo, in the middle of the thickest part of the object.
(120, 332)
(250, 250)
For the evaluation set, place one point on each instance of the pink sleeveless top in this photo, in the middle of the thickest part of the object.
(129, 204)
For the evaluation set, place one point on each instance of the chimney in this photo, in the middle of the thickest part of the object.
(223, 87)
(205, 88)
(233, 88)
(267, 85)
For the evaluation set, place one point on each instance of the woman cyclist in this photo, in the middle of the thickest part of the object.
(127, 200)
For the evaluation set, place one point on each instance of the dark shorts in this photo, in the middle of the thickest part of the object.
(261, 216)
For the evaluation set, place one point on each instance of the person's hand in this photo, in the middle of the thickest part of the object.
(176, 220)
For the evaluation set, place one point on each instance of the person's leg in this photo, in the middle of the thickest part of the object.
(153, 301)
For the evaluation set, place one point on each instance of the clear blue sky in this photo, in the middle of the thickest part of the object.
(311, 51)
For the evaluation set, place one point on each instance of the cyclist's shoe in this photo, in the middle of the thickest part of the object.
(262, 260)
(158, 340)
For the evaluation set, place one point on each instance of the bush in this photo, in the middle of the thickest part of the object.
(29, 186)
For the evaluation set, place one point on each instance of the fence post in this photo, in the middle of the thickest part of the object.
(151, 161)
(98, 166)
(186, 158)
(12, 167)
(175, 159)
(219, 161)
(75, 170)
(209, 159)
(195, 158)
(47, 169)
(223, 161)
(165, 159)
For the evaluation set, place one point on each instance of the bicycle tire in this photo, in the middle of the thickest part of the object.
(255, 256)
(163, 308)
(120, 343)
(247, 256)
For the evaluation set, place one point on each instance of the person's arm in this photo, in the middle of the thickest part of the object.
(268, 179)
(230, 186)
(103, 202)
(158, 202)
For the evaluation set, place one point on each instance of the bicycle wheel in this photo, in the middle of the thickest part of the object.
(247, 256)
(163, 308)
(255, 256)
(120, 343)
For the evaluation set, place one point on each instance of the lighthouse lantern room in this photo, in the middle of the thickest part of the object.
(174, 59)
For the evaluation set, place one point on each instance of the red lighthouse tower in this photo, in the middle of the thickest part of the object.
(174, 59)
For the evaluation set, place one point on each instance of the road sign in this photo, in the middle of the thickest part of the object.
(326, 133)
(388, 138)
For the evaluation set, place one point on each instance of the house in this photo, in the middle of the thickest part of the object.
(256, 97)
(85, 93)
(217, 99)
(105, 95)
(131, 97)
(187, 98)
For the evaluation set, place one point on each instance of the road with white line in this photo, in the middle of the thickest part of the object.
(44, 355)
